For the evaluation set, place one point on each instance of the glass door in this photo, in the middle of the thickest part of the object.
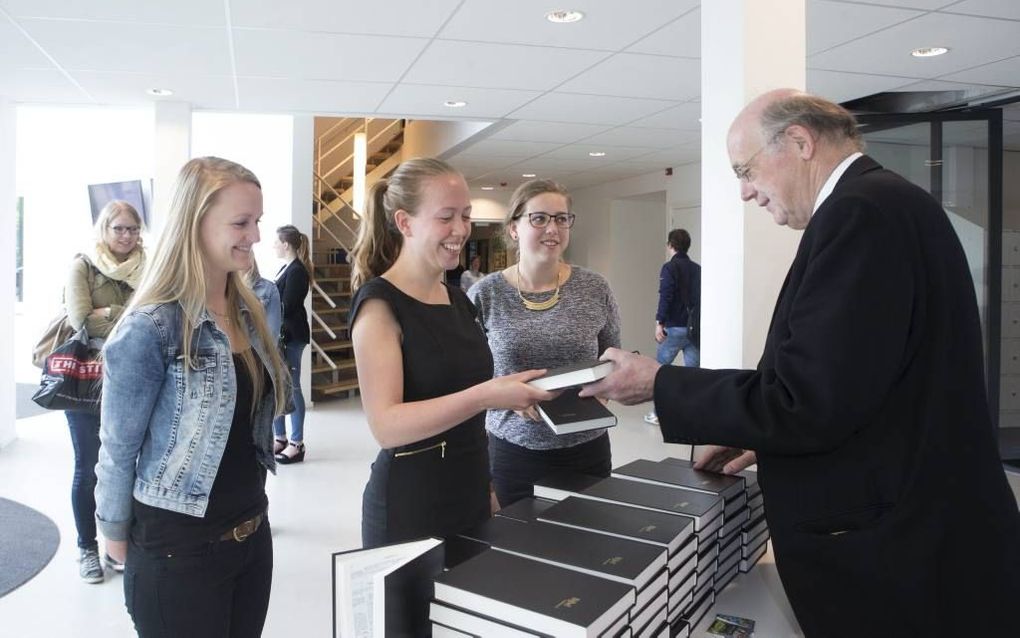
(957, 157)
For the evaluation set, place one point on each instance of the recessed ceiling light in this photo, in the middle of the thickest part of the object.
(160, 92)
(527, 174)
(597, 153)
(563, 16)
(455, 104)
(928, 52)
(488, 188)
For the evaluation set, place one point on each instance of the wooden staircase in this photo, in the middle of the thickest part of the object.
(335, 224)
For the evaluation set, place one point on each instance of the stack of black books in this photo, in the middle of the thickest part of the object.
(501, 594)
(755, 534)
(674, 534)
(704, 510)
(733, 490)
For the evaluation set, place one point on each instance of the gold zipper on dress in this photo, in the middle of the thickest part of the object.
(441, 445)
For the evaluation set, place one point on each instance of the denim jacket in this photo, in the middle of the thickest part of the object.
(163, 438)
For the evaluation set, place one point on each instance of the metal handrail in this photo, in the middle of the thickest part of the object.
(332, 213)
(328, 299)
(322, 226)
(325, 326)
(382, 132)
(323, 354)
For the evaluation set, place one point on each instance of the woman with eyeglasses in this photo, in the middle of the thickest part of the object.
(542, 313)
(98, 288)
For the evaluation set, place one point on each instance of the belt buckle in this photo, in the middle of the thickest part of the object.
(247, 529)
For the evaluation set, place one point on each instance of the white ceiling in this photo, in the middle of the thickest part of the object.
(625, 80)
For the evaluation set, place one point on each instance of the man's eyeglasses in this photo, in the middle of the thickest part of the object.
(126, 230)
(541, 220)
(745, 171)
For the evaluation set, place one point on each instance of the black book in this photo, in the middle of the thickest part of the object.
(623, 521)
(569, 413)
(475, 625)
(542, 597)
(385, 591)
(526, 509)
(626, 561)
(573, 375)
(557, 486)
(701, 507)
(681, 473)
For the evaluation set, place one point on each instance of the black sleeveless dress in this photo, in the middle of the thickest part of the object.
(438, 486)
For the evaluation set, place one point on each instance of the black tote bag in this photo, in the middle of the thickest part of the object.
(73, 376)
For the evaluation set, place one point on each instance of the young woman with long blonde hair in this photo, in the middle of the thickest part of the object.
(192, 381)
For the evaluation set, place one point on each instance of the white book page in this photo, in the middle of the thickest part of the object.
(360, 582)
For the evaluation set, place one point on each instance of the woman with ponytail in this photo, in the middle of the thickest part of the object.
(292, 281)
(192, 379)
(424, 366)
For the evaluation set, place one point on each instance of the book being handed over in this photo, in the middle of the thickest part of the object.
(572, 375)
(569, 413)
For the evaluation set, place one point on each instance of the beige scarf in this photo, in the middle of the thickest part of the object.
(129, 271)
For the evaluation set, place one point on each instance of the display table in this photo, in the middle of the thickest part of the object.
(757, 595)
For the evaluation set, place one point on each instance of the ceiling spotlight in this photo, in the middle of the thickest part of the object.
(488, 188)
(597, 153)
(455, 104)
(929, 52)
(160, 92)
(563, 17)
(527, 174)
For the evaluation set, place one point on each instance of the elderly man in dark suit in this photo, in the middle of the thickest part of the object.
(888, 506)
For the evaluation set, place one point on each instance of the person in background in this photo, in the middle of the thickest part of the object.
(99, 286)
(542, 313)
(470, 276)
(192, 381)
(679, 297)
(889, 510)
(292, 280)
(424, 368)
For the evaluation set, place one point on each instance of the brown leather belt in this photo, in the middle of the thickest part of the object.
(244, 530)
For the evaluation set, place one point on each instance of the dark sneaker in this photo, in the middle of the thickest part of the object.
(89, 569)
(113, 563)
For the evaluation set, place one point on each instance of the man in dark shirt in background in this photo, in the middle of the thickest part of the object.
(679, 298)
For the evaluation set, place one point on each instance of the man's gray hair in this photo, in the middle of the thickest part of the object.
(827, 119)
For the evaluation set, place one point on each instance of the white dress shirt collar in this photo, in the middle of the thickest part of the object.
(830, 183)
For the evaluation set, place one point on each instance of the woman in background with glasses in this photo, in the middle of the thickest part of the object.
(98, 287)
(542, 313)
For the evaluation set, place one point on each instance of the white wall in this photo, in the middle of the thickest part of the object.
(486, 207)
(425, 138)
(637, 252)
(8, 202)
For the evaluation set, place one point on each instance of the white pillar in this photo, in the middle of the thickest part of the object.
(8, 201)
(302, 186)
(172, 148)
(747, 48)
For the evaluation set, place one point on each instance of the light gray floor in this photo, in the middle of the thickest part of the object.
(315, 508)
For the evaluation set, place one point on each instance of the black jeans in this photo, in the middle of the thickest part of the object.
(515, 469)
(215, 590)
(84, 428)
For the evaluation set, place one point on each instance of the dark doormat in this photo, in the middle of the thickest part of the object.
(26, 407)
(28, 540)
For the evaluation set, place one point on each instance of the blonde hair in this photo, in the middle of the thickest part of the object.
(379, 243)
(176, 272)
(290, 235)
(111, 211)
(524, 194)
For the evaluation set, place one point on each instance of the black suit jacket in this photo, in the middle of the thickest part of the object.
(889, 508)
(292, 282)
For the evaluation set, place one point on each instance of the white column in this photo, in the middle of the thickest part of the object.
(302, 185)
(172, 148)
(747, 48)
(8, 202)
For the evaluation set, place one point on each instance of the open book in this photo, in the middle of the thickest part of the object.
(385, 591)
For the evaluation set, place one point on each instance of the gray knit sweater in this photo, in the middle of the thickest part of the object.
(581, 326)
